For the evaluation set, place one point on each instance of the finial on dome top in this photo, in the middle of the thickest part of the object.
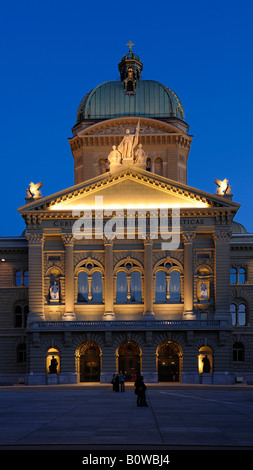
(130, 44)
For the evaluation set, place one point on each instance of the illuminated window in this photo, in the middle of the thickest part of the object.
(90, 287)
(238, 314)
(238, 352)
(18, 278)
(121, 287)
(160, 286)
(241, 276)
(237, 276)
(135, 287)
(175, 293)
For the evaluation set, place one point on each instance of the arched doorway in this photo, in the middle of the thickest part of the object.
(168, 358)
(90, 357)
(129, 360)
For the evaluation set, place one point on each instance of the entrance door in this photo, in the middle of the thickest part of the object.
(168, 362)
(129, 360)
(90, 363)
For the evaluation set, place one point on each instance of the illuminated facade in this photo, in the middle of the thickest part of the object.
(107, 277)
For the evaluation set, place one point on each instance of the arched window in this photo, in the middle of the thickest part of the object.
(20, 315)
(160, 286)
(83, 287)
(175, 286)
(102, 165)
(26, 278)
(21, 353)
(135, 286)
(238, 352)
(241, 276)
(97, 287)
(233, 313)
(233, 276)
(159, 166)
(238, 314)
(18, 278)
(241, 315)
(121, 287)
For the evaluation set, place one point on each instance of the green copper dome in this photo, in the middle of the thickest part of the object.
(130, 96)
(151, 99)
(238, 228)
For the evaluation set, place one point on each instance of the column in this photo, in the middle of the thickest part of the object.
(109, 314)
(36, 277)
(222, 275)
(68, 240)
(188, 238)
(148, 279)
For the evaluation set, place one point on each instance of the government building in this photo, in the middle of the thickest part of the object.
(130, 269)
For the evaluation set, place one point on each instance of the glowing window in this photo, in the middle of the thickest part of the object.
(97, 287)
(121, 287)
(160, 286)
(135, 286)
(83, 287)
(175, 288)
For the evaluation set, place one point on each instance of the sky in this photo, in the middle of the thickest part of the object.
(53, 52)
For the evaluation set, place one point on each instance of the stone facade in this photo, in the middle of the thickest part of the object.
(102, 289)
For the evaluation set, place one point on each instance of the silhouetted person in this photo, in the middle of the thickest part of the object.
(117, 383)
(140, 391)
(206, 364)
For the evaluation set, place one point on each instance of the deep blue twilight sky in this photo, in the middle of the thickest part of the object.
(53, 52)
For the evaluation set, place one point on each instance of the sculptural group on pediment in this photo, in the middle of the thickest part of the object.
(126, 152)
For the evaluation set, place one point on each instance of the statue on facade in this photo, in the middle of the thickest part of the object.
(206, 365)
(140, 156)
(54, 291)
(114, 156)
(34, 190)
(53, 366)
(203, 294)
(222, 187)
(128, 144)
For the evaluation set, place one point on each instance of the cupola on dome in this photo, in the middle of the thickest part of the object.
(130, 96)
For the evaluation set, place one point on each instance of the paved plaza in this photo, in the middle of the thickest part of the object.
(95, 417)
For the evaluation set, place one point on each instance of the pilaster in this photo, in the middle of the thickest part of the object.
(36, 270)
(68, 240)
(148, 279)
(188, 238)
(109, 313)
(222, 274)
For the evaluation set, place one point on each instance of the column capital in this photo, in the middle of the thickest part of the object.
(68, 239)
(222, 236)
(188, 237)
(35, 238)
(108, 241)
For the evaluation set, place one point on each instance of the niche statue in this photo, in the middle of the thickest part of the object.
(53, 366)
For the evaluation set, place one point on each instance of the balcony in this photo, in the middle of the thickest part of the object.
(128, 325)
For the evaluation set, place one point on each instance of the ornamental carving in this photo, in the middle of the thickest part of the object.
(68, 239)
(121, 130)
(35, 238)
(222, 236)
(188, 237)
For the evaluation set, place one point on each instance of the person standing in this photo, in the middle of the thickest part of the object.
(122, 382)
(140, 391)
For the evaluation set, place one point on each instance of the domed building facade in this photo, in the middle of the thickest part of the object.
(129, 269)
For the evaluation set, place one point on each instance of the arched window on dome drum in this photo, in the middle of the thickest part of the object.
(102, 166)
(159, 166)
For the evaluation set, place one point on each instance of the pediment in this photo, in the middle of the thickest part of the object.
(128, 188)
